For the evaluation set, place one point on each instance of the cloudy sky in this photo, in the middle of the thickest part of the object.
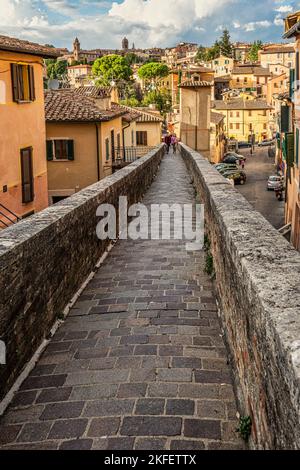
(103, 23)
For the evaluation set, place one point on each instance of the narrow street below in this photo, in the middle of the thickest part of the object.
(258, 169)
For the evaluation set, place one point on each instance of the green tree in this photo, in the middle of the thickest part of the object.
(253, 53)
(111, 67)
(132, 102)
(153, 71)
(132, 58)
(225, 44)
(213, 52)
(201, 54)
(56, 68)
(162, 99)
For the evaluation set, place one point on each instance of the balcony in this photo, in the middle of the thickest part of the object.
(126, 155)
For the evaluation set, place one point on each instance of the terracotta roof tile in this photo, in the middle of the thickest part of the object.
(93, 91)
(145, 115)
(26, 47)
(240, 104)
(216, 118)
(69, 106)
(195, 84)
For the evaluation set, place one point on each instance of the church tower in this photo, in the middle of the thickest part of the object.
(76, 49)
(125, 44)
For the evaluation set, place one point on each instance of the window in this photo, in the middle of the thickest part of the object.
(237, 126)
(107, 155)
(27, 175)
(265, 126)
(60, 149)
(245, 79)
(238, 79)
(250, 127)
(118, 140)
(22, 78)
(230, 126)
(141, 138)
(264, 113)
(112, 139)
(237, 114)
(231, 114)
(250, 113)
(132, 138)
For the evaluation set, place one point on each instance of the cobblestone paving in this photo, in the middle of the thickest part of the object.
(140, 362)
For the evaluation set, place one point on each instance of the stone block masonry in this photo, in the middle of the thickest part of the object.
(258, 289)
(45, 259)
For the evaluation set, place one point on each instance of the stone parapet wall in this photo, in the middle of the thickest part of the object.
(258, 289)
(45, 259)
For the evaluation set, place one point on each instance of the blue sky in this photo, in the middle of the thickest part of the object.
(103, 23)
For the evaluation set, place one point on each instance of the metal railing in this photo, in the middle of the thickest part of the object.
(7, 217)
(130, 154)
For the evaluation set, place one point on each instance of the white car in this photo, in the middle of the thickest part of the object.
(275, 182)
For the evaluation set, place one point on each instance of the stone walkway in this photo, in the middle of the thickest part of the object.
(140, 362)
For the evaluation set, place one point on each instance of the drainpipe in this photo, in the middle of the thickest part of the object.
(97, 152)
(123, 136)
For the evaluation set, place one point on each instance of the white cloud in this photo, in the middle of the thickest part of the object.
(236, 24)
(165, 19)
(285, 9)
(278, 20)
(254, 25)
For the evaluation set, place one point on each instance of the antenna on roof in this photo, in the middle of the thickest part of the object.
(53, 84)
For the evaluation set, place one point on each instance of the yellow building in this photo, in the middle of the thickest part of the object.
(250, 78)
(170, 83)
(82, 141)
(292, 214)
(23, 167)
(277, 54)
(77, 73)
(222, 66)
(244, 118)
(147, 127)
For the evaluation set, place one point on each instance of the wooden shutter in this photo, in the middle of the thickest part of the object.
(31, 83)
(292, 84)
(297, 70)
(49, 148)
(297, 146)
(285, 118)
(70, 147)
(27, 175)
(14, 81)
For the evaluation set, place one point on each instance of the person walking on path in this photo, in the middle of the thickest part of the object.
(168, 142)
(174, 142)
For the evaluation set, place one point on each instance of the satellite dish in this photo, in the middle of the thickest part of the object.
(53, 84)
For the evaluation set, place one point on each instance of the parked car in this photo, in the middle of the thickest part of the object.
(275, 182)
(232, 159)
(236, 155)
(244, 145)
(238, 176)
(267, 143)
(225, 168)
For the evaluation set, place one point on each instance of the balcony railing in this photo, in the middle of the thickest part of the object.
(126, 155)
(7, 217)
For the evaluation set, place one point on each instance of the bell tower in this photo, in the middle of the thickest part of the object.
(76, 49)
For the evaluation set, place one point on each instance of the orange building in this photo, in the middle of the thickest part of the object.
(23, 164)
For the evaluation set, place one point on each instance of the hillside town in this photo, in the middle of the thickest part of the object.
(79, 126)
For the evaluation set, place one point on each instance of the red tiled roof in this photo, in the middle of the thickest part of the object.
(195, 84)
(145, 115)
(69, 106)
(93, 91)
(216, 118)
(26, 47)
(240, 104)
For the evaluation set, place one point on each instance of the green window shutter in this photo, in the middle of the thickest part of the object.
(70, 145)
(292, 82)
(285, 118)
(290, 149)
(297, 147)
(49, 148)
